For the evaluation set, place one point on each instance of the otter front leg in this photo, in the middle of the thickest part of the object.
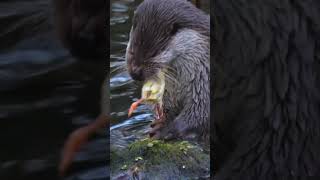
(158, 123)
(189, 124)
(192, 120)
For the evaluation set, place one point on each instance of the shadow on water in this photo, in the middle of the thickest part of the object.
(45, 94)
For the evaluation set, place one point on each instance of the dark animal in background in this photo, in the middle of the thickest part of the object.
(266, 57)
(81, 25)
(82, 28)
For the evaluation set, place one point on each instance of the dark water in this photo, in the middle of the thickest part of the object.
(44, 95)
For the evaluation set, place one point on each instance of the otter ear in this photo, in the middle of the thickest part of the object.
(174, 29)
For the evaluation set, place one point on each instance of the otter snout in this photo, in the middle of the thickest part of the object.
(135, 70)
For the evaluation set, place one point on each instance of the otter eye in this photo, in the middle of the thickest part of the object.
(135, 43)
(135, 19)
(130, 51)
(134, 23)
(174, 29)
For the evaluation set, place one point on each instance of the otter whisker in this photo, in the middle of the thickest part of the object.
(170, 74)
(168, 68)
(122, 50)
(171, 79)
(134, 86)
(119, 69)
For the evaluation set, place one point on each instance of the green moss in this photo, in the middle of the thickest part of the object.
(147, 154)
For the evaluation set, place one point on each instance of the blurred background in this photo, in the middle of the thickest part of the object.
(44, 95)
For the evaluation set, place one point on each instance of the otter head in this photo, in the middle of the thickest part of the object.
(82, 28)
(155, 23)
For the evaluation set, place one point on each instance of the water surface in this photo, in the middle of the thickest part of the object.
(45, 94)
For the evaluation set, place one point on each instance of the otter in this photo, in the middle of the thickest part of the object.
(82, 29)
(173, 36)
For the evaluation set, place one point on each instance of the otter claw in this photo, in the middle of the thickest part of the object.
(169, 136)
(155, 131)
(155, 135)
(156, 128)
(156, 122)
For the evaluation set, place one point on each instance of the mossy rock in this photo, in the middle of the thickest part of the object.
(159, 160)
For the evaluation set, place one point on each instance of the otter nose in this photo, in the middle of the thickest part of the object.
(137, 74)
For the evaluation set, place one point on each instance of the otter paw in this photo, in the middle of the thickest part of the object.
(170, 132)
(180, 129)
(173, 130)
(156, 126)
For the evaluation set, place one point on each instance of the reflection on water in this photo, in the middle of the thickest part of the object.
(45, 94)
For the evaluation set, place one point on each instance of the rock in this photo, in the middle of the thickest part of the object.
(154, 159)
